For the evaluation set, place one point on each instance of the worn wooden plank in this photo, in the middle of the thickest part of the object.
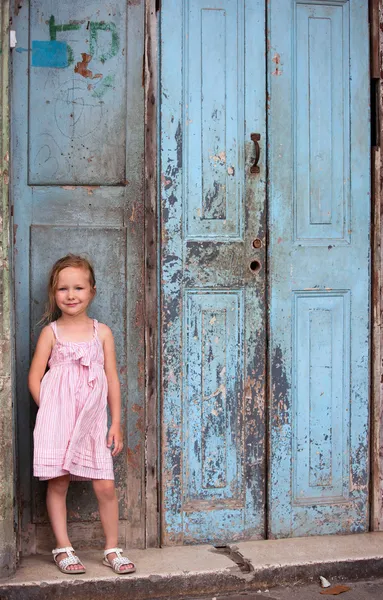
(376, 24)
(135, 276)
(7, 516)
(151, 273)
(379, 209)
(80, 534)
(375, 37)
(376, 347)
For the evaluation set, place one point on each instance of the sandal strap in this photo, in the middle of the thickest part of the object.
(119, 560)
(70, 560)
(111, 550)
(68, 550)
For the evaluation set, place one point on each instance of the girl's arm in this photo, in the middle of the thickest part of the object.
(114, 393)
(39, 362)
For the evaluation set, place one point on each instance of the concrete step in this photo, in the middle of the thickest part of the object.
(181, 572)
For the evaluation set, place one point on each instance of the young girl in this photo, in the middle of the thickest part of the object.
(70, 436)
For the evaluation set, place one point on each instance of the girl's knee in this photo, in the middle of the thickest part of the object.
(104, 489)
(59, 485)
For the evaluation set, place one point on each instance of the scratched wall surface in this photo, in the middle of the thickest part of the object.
(319, 267)
(77, 82)
(77, 172)
(212, 302)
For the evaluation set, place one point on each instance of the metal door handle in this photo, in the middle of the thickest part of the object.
(255, 137)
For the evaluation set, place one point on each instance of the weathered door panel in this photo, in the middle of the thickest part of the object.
(212, 295)
(319, 266)
(77, 149)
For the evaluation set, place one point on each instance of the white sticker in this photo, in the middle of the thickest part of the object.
(12, 38)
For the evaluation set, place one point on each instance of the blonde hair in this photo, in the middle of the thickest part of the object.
(52, 312)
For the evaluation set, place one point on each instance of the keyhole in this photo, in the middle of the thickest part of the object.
(255, 266)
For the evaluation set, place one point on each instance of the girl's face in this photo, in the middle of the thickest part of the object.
(73, 292)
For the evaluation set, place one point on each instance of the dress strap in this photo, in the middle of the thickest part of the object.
(54, 327)
(95, 326)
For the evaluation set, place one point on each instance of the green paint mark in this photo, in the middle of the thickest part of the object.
(106, 84)
(94, 27)
(70, 55)
(115, 42)
(53, 28)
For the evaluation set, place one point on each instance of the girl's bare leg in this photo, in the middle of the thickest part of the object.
(108, 507)
(56, 505)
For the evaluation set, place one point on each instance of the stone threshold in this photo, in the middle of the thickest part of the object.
(183, 572)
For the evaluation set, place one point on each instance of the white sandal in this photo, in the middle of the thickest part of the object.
(116, 563)
(71, 559)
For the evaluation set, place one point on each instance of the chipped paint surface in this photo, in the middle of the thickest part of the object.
(212, 305)
(82, 67)
(277, 60)
(319, 299)
(78, 92)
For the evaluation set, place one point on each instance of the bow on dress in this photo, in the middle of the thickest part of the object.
(83, 355)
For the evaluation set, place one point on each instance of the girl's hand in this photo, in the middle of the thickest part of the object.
(115, 437)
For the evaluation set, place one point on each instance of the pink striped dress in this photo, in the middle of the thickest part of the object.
(71, 425)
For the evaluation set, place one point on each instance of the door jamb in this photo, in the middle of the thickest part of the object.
(152, 420)
(8, 550)
(376, 62)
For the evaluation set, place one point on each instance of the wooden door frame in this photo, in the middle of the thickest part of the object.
(376, 65)
(152, 419)
(8, 542)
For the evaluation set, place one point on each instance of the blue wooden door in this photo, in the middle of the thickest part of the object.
(77, 156)
(212, 270)
(213, 235)
(319, 222)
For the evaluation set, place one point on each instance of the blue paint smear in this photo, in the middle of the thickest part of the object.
(49, 54)
(21, 50)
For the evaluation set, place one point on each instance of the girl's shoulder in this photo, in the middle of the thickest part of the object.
(47, 335)
(104, 332)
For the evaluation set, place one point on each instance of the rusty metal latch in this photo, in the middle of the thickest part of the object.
(255, 137)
